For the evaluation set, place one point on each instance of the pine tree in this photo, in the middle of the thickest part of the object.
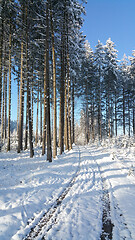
(99, 62)
(110, 79)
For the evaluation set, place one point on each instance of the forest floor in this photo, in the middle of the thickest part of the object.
(87, 193)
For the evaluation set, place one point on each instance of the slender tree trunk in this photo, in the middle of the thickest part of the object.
(1, 51)
(133, 117)
(9, 94)
(5, 130)
(26, 126)
(44, 121)
(100, 111)
(40, 114)
(3, 107)
(32, 101)
(66, 119)
(28, 87)
(106, 118)
(69, 115)
(18, 93)
(49, 148)
(30, 120)
(87, 123)
(20, 135)
(109, 125)
(116, 128)
(27, 110)
(93, 132)
(73, 112)
(54, 90)
(69, 88)
(99, 121)
(36, 139)
(129, 127)
(124, 111)
(62, 94)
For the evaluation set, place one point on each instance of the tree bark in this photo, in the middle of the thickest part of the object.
(124, 111)
(5, 130)
(40, 113)
(73, 112)
(66, 119)
(18, 101)
(54, 89)
(9, 92)
(49, 148)
(3, 106)
(62, 83)
(1, 53)
(44, 121)
(27, 110)
(36, 139)
(30, 121)
(20, 135)
(129, 127)
(69, 103)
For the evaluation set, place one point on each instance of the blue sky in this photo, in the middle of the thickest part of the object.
(114, 19)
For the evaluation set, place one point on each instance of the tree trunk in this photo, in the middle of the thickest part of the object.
(134, 117)
(40, 114)
(66, 119)
(54, 90)
(87, 123)
(44, 121)
(27, 110)
(128, 118)
(93, 132)
(73, 112)
(30, 121)
(109, 125)
(18, 97)
(20, 135)
(99, 109)
(32, 101)
(28, 89)
(36, 139)
(62, 83)
(69, 106)
(3, 107)
(49, 148)
(124, 111)
(9, 94)
(1, 51)
(116, 128)
(5, 130)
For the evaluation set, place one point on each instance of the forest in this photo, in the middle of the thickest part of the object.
(43, 49)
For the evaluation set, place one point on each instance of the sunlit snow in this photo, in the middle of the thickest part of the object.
(29, 187)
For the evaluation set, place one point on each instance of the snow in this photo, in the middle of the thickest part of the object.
(30, 187)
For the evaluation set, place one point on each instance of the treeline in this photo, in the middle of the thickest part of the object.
(41, 48)
(108, 88)
(44, 51)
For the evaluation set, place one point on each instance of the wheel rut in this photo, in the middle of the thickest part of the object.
(107, 225)
(111, 211)
(52, 211)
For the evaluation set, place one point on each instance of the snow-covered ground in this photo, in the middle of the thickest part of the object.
(29, 187)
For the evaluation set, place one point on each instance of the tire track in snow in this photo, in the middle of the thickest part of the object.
(111, 209)
(37, 229)
(107, 225)
(84, 182)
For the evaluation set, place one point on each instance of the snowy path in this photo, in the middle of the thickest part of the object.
(121, 188)
(76, 187)
(74, 217)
